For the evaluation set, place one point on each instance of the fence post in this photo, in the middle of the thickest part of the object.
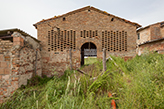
(70, 54)
(104, 59)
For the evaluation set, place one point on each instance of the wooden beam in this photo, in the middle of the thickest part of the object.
(4, 37)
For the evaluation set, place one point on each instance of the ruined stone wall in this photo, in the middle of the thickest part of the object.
(5, 69)
(27, 64)
(18, 63)
(105, 31)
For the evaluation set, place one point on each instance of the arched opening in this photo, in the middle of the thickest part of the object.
(88, 49)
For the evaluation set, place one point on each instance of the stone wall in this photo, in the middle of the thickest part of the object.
(18, 63)
(5, 69)
(151, 38)
(85, 25)
(155, 32)
(155, 46)
(144, 36)
(151, 32)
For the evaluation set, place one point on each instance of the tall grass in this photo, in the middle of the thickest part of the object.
(140, 86)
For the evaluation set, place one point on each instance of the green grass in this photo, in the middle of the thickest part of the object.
(90, 60)
(141, 86)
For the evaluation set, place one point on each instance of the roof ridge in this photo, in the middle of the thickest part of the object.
(84, 8)
(151, 25)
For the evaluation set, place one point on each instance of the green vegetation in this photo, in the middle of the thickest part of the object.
(90, 60)
(136, 84)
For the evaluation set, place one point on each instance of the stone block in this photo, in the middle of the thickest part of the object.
(6, 77)
(23, 79)
(15, 78)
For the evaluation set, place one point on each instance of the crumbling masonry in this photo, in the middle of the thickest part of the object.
(18, 63)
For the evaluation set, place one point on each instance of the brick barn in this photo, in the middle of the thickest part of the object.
(83, 30)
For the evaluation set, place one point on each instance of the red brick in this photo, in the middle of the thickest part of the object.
(7, 71)
(4, 64)
(80, 21)
(18, 41)
(12, 83)
(2, 71)
(1, 93)
(5, 90)
(9, 65)
(7, 58)
(15, 78)
(7, 82)
(1, 57)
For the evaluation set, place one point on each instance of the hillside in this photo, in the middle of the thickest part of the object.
(134, 84)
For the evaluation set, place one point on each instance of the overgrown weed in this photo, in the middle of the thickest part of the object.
(135, 84)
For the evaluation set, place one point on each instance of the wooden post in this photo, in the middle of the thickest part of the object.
(70, 54)
(104, 59)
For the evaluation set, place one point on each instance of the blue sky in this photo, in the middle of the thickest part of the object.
(23, 14)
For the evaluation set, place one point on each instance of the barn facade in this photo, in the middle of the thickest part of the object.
(86, 32)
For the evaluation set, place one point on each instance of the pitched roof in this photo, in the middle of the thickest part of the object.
(158, 23)
(7, 32)
(88, 8)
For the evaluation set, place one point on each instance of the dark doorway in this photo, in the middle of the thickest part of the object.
(88, 50)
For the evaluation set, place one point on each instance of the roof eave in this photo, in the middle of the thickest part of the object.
(155, 40)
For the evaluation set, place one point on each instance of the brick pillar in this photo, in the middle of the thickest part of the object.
(18, 39)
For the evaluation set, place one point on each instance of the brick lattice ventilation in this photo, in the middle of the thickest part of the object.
(89, 33)
(60, 40)
(114, 41)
